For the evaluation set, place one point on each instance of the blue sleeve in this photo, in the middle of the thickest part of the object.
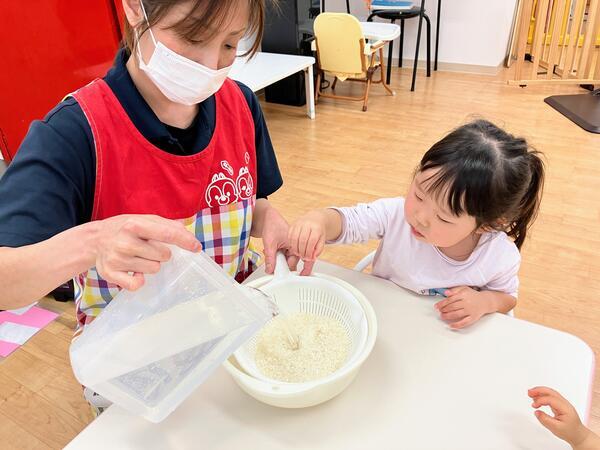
(269, 177)
(49, 186)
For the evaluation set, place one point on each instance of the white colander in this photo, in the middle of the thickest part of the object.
(320, 295)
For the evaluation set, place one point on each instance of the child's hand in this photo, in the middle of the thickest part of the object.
(463, 306)
(307, 236)
(565, 424)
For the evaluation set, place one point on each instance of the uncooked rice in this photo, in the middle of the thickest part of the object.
(324, 347)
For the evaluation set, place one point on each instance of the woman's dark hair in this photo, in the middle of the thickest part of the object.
(489, 174)
(205, 16)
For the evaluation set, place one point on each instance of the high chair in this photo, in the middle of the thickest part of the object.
(343, 54)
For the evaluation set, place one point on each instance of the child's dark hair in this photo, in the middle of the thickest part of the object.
(489, 174)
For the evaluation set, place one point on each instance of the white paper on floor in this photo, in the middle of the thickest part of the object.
(15, 333)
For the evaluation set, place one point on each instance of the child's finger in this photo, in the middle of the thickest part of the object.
(546, 420)
(446, 304)
(456, 306)
(293, 236)
(303, 240)
(454, 315)
(308, 267)
(311, 245)
(455, 290)
(319, 248)
(298, 242)
(558, 404)
(441, 304)
(543, 400)
(449, 292)
(542, 390)
(463, 323)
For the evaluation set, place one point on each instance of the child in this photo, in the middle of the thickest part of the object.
(565, 424)
(458, 231)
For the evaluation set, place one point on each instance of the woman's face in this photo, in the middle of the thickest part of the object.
(215, 51)
(429, 217)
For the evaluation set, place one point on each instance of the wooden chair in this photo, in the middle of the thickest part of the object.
(343, 54)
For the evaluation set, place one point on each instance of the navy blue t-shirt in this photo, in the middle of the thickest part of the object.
(49, 186)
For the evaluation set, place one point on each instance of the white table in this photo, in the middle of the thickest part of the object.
(265, 69)
(424, 387)
(379, 31)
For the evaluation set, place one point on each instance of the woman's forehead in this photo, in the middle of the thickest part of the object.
(190, 16)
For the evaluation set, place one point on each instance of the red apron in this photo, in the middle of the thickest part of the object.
(212, 192)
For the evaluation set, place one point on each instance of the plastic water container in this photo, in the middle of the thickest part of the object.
(150, 349)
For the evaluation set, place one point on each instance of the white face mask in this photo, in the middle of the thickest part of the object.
(180, 79)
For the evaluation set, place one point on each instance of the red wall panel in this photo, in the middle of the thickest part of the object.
(50, 48)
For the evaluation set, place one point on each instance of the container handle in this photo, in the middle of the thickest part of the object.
(282, 270)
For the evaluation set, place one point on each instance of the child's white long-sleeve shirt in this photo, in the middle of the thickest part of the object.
(422, 267)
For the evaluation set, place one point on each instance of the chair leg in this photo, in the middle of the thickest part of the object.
(426, 17)
(437, 35)
(389, 64)
(318, 90)
(401, 50)
(369, 79)
(334, 83)
(348, 6)
(382, 69)
(414, 75)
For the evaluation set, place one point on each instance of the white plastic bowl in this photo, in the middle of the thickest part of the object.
(301, 395)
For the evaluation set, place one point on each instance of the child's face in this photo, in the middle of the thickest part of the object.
(216, 51)
(430, 219)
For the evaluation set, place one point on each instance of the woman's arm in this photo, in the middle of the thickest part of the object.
(123, 248)
(31, 272)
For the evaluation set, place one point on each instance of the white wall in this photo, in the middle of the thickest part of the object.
(473, 32)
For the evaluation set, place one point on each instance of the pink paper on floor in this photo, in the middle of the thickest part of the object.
(6, 348)
(16, 329)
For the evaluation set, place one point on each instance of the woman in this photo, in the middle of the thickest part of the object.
(163, 150)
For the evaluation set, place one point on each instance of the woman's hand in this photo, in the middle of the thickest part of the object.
(129, 246)
(270, 225)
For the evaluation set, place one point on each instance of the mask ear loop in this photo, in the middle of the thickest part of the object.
(148, 22)
(141, 62)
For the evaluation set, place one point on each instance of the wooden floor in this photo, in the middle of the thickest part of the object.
(346, 156)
